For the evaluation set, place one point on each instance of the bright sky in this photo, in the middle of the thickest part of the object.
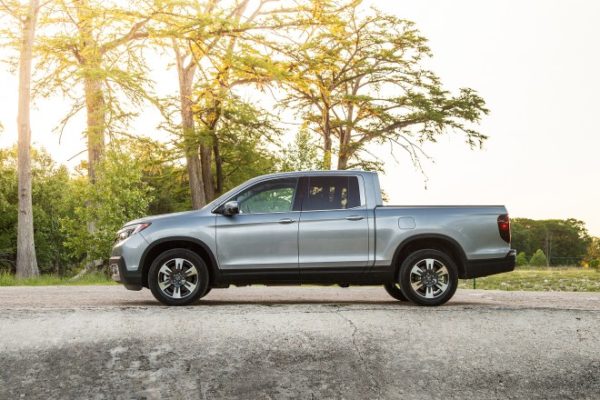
(536, 64)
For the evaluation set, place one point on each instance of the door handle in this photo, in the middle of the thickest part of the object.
(286, 221)
(354, 217)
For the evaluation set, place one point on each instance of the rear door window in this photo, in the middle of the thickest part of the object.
(332, 193)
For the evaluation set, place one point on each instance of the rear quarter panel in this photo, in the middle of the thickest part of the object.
(474, 228)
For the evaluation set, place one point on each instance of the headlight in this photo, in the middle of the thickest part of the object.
(130, 230)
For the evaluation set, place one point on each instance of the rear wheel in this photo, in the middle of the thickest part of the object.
(393, 289)
(428, 277)
(178, 277)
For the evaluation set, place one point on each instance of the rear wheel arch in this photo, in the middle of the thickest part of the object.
(161, 245)
(439, 242)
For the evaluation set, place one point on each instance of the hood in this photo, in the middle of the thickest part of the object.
(153, 218)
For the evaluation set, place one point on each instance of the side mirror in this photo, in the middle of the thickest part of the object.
(231, 208)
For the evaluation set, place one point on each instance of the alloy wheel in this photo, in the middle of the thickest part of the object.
(429, 278)
(178, 278)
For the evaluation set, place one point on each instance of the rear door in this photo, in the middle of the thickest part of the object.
(333, 233)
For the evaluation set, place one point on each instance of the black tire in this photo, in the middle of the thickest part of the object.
(170, 259)
(393, 290)
(431, 283)
(208, 289)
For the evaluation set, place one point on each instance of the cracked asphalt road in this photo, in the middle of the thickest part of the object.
(297, 342)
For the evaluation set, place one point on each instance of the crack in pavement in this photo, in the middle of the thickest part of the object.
(364, 363)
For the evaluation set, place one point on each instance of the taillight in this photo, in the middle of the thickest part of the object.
(504, 227)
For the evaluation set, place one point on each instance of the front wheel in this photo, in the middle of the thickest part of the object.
(428, 277)
(178, 277)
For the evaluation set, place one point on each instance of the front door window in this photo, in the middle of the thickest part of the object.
(275, 196)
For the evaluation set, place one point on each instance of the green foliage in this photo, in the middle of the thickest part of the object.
(96, 278)
(163, 174)
(247, 140)
(595, 263)
(302, 154)
(98, 42)
(538, 259)
(118, 196)
(540, 279)
(361, 78)
(51, 201)
(565, 242)
(522, 259)
(593, 251)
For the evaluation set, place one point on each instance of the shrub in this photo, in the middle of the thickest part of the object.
(538, 259)
(522, 259)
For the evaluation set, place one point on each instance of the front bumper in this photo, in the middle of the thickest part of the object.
(490, 266)
(132, 280)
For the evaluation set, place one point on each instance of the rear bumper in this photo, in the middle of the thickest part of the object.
(490, 266)
(132, 280)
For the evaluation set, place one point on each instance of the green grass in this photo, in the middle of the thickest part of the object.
(52, 280)
(564, 279)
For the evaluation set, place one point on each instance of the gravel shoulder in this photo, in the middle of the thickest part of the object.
(297, 342)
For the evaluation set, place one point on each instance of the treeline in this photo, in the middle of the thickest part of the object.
(353, 77)
(554, 242)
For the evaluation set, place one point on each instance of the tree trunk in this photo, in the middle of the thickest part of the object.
(96, 123)
(195, 177)
(343, 160)
(194, 166)
(205, 158)
(26, 257)
(345, 151)
(326, 140)
(218, 165)
(90, 60)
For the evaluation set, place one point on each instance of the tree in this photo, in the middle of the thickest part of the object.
(245, 143)
(53, 201)
(302, 154)
(565, 242)
(522, 259)
(163, 173)
(26, 256)
(91, 54)
(225, 47)
(361, 80)
(593, 252)
(538, 259)
(119, 194)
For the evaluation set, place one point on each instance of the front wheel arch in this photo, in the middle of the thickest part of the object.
(161, 245)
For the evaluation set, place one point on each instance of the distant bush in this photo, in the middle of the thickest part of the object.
(522, 259)
(595, 263)
(538, 259)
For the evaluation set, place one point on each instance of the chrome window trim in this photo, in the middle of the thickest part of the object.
(361, 207)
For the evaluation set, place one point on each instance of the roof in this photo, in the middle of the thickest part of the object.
(313, 173)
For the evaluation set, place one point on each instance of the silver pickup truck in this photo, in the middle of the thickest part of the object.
(323, 227)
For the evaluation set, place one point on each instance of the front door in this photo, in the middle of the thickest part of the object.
(264, 235)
